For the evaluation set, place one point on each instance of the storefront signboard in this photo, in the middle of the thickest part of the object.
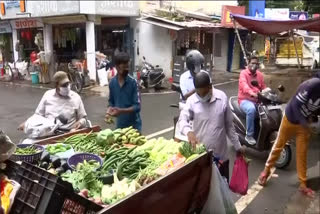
(26, 23)
(297, 15)
(12, 4)
(11, 9)
(5, 27)
(276, 13)
(226, 20)
(117, 8)
(52, 8)
(256, 8)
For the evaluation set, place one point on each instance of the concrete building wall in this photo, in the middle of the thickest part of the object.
(154, 43)
(220, 61)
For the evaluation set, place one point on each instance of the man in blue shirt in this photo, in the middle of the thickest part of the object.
(124, 101)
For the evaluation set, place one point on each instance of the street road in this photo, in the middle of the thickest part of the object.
(17, 103)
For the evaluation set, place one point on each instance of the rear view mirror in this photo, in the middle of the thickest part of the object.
(157, 66)
(144, 58)
(281, 88)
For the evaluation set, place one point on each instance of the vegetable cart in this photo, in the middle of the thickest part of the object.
(182, 190)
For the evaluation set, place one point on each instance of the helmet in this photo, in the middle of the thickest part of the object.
(194, 61)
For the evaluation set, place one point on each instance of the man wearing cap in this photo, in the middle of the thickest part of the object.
(212, 121)
(62, 103)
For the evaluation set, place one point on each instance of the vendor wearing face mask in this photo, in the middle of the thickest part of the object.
(212, 121)
(251, 82)
(124, 99)
(61, 102)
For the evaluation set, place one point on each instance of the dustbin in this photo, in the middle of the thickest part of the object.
(34, 77)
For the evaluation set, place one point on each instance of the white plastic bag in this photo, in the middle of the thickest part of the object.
(37, 126)
(103, 76)
(219, 198)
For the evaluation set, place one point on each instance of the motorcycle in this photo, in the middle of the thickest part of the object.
(267, 124)
(78, 76)
(151, 77)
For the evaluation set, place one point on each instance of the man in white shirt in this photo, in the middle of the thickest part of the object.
(194, 62)
(212, 121)
(63, 104)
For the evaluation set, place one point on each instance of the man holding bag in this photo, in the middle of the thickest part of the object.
(212, 121)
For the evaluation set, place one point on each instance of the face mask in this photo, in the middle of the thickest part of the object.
(205, 98)
(253, 68)
(65, 91)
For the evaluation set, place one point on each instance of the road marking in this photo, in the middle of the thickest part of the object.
(160, 132)
(225, 83)
(254, 190)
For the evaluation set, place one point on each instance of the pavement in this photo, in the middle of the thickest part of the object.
(19, 100)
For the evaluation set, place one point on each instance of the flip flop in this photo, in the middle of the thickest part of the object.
(307, 192)
(262, 180)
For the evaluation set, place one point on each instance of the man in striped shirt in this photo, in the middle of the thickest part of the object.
(301, 117)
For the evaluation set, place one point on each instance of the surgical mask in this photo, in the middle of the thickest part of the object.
(253, 68)
(65, 91)
(205, 98)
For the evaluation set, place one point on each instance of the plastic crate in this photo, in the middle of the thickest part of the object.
(42, 192)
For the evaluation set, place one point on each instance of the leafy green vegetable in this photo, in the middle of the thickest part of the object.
(58, 147)
(84, 177)
(187, 150)
(105, 137)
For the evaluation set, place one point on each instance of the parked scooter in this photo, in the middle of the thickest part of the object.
(267, 123)
(151, 77)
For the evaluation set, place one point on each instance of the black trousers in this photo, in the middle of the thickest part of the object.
(223, 167)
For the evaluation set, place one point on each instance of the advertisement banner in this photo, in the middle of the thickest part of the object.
(227, 10)
(256, 8)
(12, 4)
(297, 15)
(276, 13)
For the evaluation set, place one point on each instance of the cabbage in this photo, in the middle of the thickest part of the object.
(105, 137)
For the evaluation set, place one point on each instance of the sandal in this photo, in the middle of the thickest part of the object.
(262, 180)
(307, 192)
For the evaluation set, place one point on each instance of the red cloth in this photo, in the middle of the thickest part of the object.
(271, 27)
(239, 179)
(33, 56)
(245, 86)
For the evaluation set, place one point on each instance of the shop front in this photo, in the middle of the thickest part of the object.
(6, 46)
(25, 37)
(114, 36)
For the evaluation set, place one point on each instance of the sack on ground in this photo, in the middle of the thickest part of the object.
(219, 198)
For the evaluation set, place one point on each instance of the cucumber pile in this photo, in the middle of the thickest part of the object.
(126, 162)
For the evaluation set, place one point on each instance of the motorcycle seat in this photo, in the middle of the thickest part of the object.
(235, 107)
